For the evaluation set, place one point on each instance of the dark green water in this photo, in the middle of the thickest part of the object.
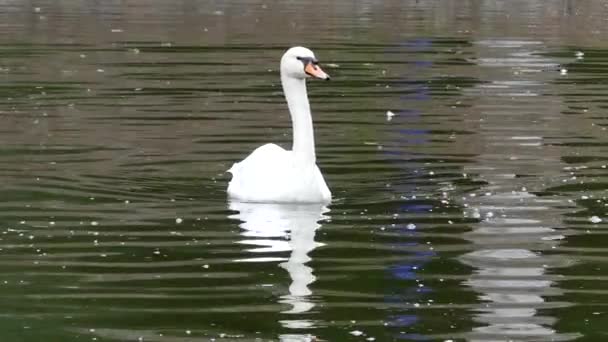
(477, 213)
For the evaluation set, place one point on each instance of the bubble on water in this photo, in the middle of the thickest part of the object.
(389, 115)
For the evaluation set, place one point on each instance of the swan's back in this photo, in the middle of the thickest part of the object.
(270, 174)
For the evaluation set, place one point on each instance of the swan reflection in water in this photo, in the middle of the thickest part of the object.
(265, 229)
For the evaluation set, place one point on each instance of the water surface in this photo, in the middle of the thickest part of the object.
(475, 213)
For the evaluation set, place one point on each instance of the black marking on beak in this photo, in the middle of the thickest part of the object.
(308, 60)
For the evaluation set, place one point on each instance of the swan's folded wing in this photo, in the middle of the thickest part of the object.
(259, 173)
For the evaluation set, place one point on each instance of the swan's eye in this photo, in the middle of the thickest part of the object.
(308, 60)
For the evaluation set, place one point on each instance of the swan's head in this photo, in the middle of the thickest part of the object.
(299, 62)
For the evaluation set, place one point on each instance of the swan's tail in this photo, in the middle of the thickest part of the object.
(234, 169)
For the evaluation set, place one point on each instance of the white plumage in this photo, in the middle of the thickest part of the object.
(272, 174)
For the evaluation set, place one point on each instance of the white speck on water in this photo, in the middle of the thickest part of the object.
(188, 332)
(389, 115)
(411, 226)
(117, 30)
(356, 333)
(579, 54)
(94, 223)
(100, 70)
(489, 214)
(563, 71)
(179, 220)
(205, 266)
(37, 9)
(52, 223)
(595, 219)
(82, 55)
(371, 338)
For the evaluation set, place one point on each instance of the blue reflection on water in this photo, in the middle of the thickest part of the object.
(405, 289)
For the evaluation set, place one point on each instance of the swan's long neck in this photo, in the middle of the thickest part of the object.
(299, 108)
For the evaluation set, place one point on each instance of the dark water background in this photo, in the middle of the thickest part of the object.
(477, 213)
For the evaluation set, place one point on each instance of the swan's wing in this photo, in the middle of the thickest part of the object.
(260, 172)
(259, 158)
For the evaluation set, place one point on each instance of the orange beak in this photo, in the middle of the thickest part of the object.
(316, 71)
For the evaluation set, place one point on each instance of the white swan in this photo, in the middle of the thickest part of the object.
(272, 174)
